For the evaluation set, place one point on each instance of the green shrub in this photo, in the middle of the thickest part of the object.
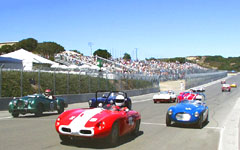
(60, 83)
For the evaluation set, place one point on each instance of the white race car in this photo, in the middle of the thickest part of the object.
(164, 96)
(199, 89)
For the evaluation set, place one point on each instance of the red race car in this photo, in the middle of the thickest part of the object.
(226, 87)
(97, 123)
(186, 96)
(223, 82)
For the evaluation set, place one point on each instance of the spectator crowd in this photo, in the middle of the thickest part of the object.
(119, 65)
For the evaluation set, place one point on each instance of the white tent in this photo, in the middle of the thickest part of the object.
(28, 58)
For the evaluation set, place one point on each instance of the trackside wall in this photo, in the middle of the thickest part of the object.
(194, 80)
(79, 98)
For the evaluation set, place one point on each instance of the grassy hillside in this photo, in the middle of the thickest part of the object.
(218, 62)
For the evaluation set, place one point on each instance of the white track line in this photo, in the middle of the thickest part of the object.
(230, 134)
(157, 124)
(5, 117)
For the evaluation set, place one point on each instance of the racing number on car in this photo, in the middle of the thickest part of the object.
(130, 121)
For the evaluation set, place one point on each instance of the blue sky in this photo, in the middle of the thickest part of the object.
(157, 28)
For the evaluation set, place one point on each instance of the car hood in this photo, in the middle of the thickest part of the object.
(188, 107)
(85, 117)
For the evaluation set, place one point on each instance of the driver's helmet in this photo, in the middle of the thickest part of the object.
(48, 92)
(119, 101)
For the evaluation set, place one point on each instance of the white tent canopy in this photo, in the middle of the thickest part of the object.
(28, 58)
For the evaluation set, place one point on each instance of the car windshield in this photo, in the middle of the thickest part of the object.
(110, 107)
(105, 95)
(194, 102)
(116, 93)
(164, 92)
(225, 85)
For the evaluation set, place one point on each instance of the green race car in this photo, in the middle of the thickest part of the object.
(36, 104)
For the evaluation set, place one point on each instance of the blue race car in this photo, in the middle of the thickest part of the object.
(108, 98)
(188, 112)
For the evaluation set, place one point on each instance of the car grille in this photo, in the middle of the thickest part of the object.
(66, 129)
(20, 103)
(85, 131)
(183, 116)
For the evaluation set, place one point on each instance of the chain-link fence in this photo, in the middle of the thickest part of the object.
(19, 82)
(15, 83)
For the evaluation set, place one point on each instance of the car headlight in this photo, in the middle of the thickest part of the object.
(111, 101)
(14, 103)
(58, 121)
(196, 114)
(26, 102)
(90, 102)
(101, 125)
(170, 112)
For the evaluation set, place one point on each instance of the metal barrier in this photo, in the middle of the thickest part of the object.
(193, 80)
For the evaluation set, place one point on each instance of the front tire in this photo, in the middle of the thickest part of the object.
(65, 138)
(114, 135)
(61, 109)
(39, 111)
(136, 129)
(168, 121)
(15, 115)
(200, 122)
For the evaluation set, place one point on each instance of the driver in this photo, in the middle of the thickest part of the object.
(120, 103)
(48, 94)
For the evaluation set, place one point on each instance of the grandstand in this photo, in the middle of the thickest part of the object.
(166, 70)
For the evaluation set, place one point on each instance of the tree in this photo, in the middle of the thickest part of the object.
(48, 49)
(29, 44)
(126, 56)
(102, 53)
(6, 49)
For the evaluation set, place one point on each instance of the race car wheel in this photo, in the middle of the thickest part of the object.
(15, 115)
(206, 121)
(174, 100)
(168, 120)
(136, 130)
(65, 138)
(200, 122)
(61, 109)
(114, 135)
(39, 111)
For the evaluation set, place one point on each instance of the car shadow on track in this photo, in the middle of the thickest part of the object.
(192, 126)
(102, 143)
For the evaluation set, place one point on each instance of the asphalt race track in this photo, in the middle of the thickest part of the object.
(31, 133)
